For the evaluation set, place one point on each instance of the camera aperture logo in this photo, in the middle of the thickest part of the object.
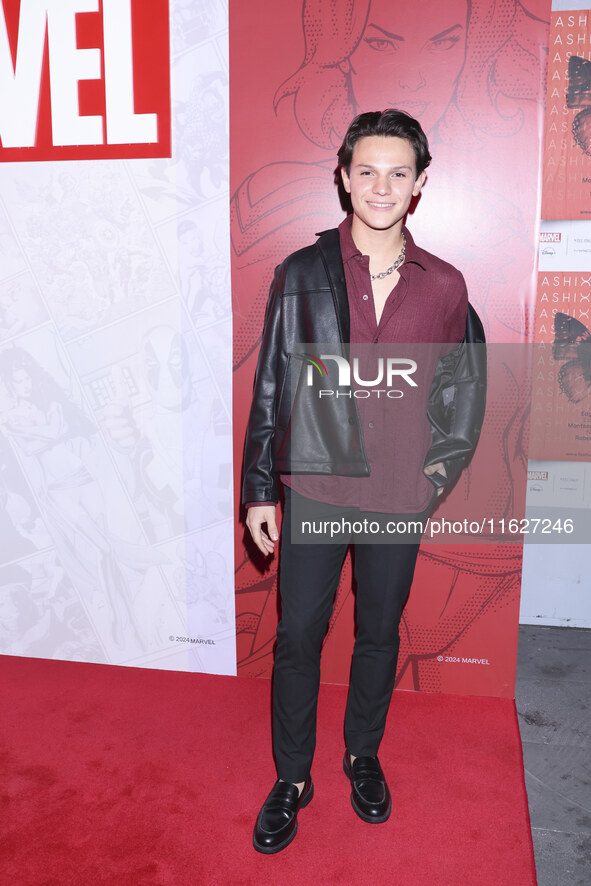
(388, 371)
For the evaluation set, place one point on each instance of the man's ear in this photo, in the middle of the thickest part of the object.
(346, 180)
(419, 183)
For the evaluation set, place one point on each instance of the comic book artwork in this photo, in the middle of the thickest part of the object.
(578, 95)
(474, 75)
(572, 347)
(115, 388)
(561, 394)
(566, 180)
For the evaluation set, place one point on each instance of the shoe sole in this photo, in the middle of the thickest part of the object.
(370, 819)
(271, 850)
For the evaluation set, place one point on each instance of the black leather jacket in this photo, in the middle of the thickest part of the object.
(308, 303)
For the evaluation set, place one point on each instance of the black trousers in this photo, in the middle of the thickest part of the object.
(309, 576)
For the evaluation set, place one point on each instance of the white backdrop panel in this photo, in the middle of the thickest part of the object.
(115, 389)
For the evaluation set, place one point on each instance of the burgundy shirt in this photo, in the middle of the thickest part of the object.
(427, 306)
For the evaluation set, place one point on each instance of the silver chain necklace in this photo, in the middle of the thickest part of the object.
(393, 267)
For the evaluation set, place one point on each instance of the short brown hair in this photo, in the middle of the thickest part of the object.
(390, 122)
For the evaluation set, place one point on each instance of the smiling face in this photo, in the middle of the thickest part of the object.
(382, 181)
(408, 60)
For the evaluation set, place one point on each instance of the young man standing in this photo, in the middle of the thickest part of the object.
(365, 283)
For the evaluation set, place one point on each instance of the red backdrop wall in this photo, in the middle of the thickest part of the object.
(473, 73)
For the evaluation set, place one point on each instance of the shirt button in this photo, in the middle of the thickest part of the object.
(365, 297)
(351, 421)
(371, 424)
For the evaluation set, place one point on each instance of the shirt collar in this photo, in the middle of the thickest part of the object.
(348, 249)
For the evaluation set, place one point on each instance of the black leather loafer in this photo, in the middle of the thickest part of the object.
(277, 823)
(370, 796)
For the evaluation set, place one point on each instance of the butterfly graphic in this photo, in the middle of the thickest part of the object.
(578, 95)
(572, 342)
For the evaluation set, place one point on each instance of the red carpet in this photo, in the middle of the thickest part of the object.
(150, 778)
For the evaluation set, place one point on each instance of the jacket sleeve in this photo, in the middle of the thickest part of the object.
(259, 482)
(457, 402)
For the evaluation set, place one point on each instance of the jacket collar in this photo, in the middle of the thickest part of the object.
(329, 246)
(474, 328)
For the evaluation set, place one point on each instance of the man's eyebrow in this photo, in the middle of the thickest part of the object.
(387, 33)
(445, 33)
(369, 166)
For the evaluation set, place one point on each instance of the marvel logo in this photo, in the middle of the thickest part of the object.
(84, 79)
(549, 237)
(537, 475)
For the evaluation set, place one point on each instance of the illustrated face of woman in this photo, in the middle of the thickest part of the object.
(410, 57)
(22, 384)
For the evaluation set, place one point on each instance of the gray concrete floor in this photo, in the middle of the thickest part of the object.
(553, 697)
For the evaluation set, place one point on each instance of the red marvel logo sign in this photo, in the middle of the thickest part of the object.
(84, 79)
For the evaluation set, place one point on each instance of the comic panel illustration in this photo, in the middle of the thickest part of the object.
(84, 234)
(160, 413)
(42, 615)
(12, 260)
(22, 527)
(199, 571)
(194, 23)
(198, 244)
(20, 306)
(198, 170)
(83, 505)
(216, 341)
